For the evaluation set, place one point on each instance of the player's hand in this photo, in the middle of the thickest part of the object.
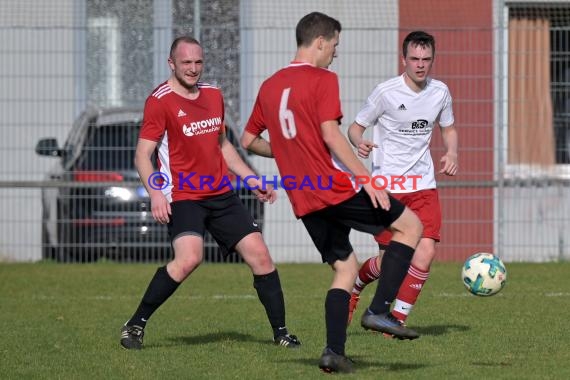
(449, 164)
(365, 147)
(268, 195)
(263, 192)
(379, 198)
(160, 207)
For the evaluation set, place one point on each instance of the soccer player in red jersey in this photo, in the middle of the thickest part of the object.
(184, 121)
(300, 107)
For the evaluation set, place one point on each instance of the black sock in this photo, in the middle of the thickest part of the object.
(159, 289)
(336, 317)
(268, 287)
(395, 264)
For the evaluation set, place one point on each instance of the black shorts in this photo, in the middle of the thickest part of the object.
(330, 227)
(224, 216)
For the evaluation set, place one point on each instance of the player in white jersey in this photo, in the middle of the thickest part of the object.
(403, 111)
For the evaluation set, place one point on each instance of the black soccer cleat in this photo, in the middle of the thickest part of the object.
(331, 362)
(287, 340)
(132, 337)
(388, 324)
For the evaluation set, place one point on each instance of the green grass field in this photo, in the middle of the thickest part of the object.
(63, 321)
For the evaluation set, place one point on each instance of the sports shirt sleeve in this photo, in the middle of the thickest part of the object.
(328, 105)
(446, 115)
(373, 108)
(154, 120)
(256, 124)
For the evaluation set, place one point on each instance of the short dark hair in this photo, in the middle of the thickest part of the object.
(420, 38)
(316, 24)
(178, 40)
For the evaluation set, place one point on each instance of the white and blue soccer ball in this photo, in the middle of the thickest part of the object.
(484, 274)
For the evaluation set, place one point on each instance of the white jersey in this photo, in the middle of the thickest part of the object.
(404, 121)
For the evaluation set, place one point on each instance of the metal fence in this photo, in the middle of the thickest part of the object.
(63, 57)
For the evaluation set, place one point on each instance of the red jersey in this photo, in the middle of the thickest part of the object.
(291, 105)
(187, 132)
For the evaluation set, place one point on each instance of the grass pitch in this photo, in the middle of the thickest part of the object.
(63, 321)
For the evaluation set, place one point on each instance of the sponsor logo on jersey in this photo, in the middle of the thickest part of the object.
(420, 127)
(402, 107)
(181, 113)
(202, 126)
(419, 124)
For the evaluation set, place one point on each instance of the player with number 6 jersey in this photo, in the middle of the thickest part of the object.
(306, 95)
(300, 107)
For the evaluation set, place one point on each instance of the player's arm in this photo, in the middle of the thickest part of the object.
(356, 137)
(339, 146)
(263, 192)
(251, 139)
(160, 206)
(256, 144)
(450, 141)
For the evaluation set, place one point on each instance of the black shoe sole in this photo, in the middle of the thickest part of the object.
(392, 334)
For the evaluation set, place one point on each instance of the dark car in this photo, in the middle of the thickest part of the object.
(94, 204)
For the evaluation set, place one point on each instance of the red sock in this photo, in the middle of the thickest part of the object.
(409, 292)
(368, 272)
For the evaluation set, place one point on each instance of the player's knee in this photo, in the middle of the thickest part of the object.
(421, 263)
(430, 253)
(346, 272)
(349, 270)
(263, 261)
(186, 265)
(407, 228)
(258, 258)
(254, 251)
(354, 273)
(424, 256)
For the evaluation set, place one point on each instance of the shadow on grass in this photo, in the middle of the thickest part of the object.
(492, 364)
(211, 338)
(360, 364)
(433, 330)
(436, 330)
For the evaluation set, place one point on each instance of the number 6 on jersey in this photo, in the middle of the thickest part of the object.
(286, 118)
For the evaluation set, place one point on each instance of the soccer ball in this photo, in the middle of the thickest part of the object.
(484, 274)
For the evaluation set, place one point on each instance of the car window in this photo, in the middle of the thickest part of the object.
(73, 142)
(110, 147)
